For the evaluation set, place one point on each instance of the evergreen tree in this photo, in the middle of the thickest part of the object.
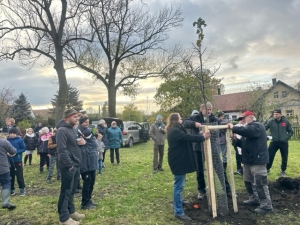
(72, 101)
(21, 109)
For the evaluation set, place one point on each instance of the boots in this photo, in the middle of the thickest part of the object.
(5, 200)
(30, 159)
(41, 170)
(25, 159)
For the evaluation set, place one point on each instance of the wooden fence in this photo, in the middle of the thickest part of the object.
(296, 134)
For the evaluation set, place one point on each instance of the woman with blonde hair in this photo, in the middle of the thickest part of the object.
(30, 141)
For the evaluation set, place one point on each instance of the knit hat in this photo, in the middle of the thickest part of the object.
(220, 113)
(83, 119)
(13, 130)
(158, 116)
(69, 112)
(277, 111)
(45, 130)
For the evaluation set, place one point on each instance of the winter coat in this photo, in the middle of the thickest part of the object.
(5, 147)
(157, 134)
(67, 148)
(52, 146)
(19, 145)
(43, 143)
(115, 137)
(190, 123)
(180, 152)
(103, 130)
(280, 130)
(101, 149)
(6, 129)
(30, 141)
(253, 143)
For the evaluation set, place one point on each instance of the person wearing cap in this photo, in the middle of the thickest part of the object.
(6, 149)
(102, 129)
(42, 147)
(89, 162)
(69, 161)
(115, 138)
(281, 131)
(255, 157)
(157, 133)
(16, 166)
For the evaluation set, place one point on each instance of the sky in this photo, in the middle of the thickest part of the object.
(253, 40)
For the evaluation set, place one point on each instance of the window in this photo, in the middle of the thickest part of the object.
(284, 94)
(289, 112)
(275, 94)
(234, 117)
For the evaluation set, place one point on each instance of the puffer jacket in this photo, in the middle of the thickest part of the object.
(115, 137)
(30, 141)
(19, 145)
(280, 130)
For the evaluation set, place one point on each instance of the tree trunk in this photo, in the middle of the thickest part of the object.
(63, 87)
(112, 100)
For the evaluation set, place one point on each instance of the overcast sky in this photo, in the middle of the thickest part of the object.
(254, 40)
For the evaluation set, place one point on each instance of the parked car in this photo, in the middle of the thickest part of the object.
(133, 132)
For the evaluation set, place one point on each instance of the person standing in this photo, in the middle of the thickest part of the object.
(255, 157)
(281, 131)
(16, 167)
(181, 158)
(101, 150)
(43, 148)
(89, 162)
(30, 141)
(53, 161)
(115, 138)
(157, 133)
(37, 129)
(6, 149)
(69, 161)
(222, 138)
(102, 129)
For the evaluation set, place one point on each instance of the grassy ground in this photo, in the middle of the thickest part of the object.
(126, 194)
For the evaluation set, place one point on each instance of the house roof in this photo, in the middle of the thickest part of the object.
(43, 113)
(230, 102)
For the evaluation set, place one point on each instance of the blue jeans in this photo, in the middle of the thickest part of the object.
(53, 162)
(224, 153)
(179, 181)
(100, 166)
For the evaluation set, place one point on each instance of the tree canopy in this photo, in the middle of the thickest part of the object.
(21, 109)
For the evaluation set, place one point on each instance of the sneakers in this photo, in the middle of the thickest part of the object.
(184, 217)
(251, 202)
(283, 174)
(12, 192)
(201, 195)
(263, 211)
(88, 207)
(161, 169)
(69, 222)
(22, 192)
(77, 215)
(238, 172)
(49, 180)
(155, 171)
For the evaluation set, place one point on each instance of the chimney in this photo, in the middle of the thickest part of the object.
(219, 91)
(273, 81)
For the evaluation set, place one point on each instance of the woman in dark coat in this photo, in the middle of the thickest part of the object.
(181, 158)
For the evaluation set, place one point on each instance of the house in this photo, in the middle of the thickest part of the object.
(262, 102)
(42, 113)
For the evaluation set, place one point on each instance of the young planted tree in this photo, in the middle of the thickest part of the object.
(129, 45)
(21, 109)
(33, 30)
(72, 100)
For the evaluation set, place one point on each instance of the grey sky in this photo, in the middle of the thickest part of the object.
(254, 40)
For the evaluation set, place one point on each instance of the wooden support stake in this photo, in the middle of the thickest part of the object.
(231, 177)
(210, 171)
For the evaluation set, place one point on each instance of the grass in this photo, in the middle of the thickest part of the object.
(126, 194)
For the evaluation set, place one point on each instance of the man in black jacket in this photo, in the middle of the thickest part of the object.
(69, 161)
(255, 157)
(194, 122)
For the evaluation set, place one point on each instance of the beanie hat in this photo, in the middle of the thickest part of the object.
(45, 130)
(83, 119)
(158, 116)
(69, 112)
(220, 113)
(13, 130)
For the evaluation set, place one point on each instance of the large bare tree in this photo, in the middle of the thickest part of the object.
(40, 29)
(128, 47)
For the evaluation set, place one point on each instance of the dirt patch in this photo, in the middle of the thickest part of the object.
(285, 197)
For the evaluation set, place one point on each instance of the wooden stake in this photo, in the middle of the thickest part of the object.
(231, 177)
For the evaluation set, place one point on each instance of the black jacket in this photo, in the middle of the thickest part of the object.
(190, 124)
(253, 143)
(30, 142)
(180, 153)
(68, 150)
(103, 130)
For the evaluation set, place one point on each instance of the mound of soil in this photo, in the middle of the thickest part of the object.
(285, 198)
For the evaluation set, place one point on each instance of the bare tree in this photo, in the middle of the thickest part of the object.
(129, 45)
(40, 29)
(7, 98)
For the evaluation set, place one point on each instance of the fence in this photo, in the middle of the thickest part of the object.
(296, 134)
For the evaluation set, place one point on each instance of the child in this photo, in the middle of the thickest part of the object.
(100, 149)
(30, 141)
(16, 168)
(43, 148)
(52, 150)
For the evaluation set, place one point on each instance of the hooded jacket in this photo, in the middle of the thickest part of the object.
(280, 130)
(68, 150)
(19, 145)
(5, 147)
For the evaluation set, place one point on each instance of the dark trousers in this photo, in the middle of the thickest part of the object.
(44, 158)
(158, 156)
(200, 172)
(5, 180)
(16, 170)
(103, 156)
(88, 186)
(69, 180)
(112, 157)
(30, 159)
(284, 151)
(238, 159)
